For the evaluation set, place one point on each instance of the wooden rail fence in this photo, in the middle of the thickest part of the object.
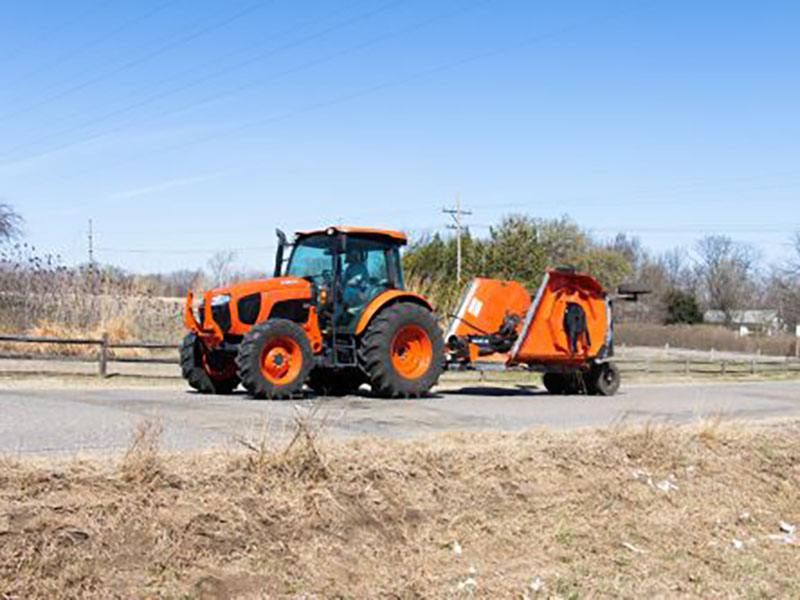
(105, 354)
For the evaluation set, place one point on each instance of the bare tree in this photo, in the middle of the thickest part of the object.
(677, 269)
(10, 222)
(794, 262)
(220, 267)
(726, 270)
(783, 288)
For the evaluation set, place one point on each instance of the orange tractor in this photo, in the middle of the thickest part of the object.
(566, 331)
(334, 316)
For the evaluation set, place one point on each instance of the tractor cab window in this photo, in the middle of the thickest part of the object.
(312, 259)
(366, 267)
(369, 267)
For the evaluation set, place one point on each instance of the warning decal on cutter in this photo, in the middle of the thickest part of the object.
(475, 307)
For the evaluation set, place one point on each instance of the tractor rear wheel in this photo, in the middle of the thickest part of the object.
(335, 382)
(604, 379)
(275, 359)
(402, 351)
(207, 371)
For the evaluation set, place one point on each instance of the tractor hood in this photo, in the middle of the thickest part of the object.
(235, 308)
(245, 288)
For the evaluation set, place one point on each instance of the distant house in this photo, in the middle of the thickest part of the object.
(765, 322)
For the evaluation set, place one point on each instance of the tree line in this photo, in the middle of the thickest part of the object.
(717, 273)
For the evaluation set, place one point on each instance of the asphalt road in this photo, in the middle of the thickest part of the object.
(80, 419)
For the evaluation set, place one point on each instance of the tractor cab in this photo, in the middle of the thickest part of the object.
(347, 267)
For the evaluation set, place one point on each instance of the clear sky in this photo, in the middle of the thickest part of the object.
(186, 126)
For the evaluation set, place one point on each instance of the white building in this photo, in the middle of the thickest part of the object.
(747, 321)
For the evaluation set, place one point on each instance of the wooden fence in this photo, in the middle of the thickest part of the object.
(708, 366)
(106, 353)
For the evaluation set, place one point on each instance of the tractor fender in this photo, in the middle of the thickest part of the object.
(385, 299)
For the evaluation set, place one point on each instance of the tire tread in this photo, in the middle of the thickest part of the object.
(376, 360)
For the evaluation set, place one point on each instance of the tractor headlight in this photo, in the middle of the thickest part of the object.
(220, 300)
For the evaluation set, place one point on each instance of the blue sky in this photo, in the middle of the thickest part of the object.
(182, 127)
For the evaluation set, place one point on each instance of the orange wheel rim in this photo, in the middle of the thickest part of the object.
(281, 361)
(412, 352)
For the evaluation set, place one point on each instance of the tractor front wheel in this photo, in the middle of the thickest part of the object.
(402, 351)
(275, 359)
(207, 371)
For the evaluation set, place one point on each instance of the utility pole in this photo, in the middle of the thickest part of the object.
(457, 213)
(91, 243)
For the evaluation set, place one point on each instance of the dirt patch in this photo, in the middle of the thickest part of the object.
(704, 512)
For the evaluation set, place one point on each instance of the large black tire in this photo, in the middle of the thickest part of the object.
(207, 371)
(554, 383)
(563, 384)
(274, 344)
(381, 342)
(335, 382)
(604, 379)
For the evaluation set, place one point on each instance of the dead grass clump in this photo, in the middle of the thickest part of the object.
(142, 463)
(632, 512)
(301, 459)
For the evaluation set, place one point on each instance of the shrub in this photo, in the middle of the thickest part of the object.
(682, 308)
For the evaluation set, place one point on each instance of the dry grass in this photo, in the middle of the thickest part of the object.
(630, 512)
(38, 295)
(702, 337)
(443, 294)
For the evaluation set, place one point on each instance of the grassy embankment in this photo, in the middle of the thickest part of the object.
(637, 512)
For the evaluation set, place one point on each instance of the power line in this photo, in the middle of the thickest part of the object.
(651, 199)
(711, 228)
(369, 90)
(251, 85)
(183, 250)
(224, 71)
(48, 34)
(171, 79)
(162, 49)
(67, 56)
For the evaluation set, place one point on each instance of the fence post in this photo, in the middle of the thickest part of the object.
(752, 366)
(104, 356)
(723, 367)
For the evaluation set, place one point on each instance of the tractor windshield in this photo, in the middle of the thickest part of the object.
(312, 258)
